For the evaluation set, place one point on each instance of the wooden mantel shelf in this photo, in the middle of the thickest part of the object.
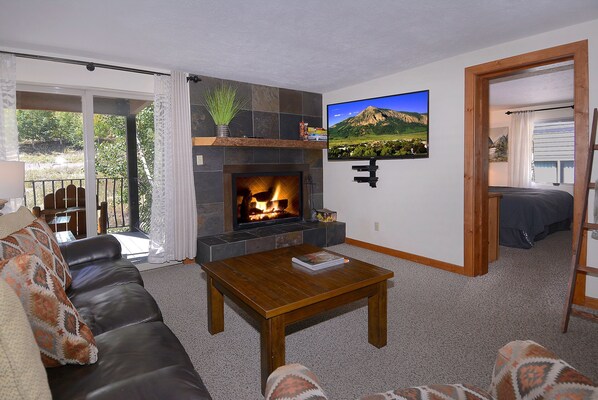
(252, 142)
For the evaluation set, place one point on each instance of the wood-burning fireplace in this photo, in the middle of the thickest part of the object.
(264, 194)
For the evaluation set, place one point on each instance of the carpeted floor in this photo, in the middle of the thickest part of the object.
(442, 327)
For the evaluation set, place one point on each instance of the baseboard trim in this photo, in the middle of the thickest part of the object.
(408, 256)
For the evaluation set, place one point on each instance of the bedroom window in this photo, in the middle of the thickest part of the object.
(554, 149)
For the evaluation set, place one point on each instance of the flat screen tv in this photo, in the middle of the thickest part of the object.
(381, 127)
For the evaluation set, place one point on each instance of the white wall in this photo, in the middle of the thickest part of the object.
(419, 203)
(498, 173)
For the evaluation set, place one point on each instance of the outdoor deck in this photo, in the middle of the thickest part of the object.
(135, 246)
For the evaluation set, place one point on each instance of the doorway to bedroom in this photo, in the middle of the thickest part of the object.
(531, 153)
(477, 81)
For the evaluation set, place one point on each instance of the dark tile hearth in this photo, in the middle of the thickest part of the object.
(236, 236)
(232, 244)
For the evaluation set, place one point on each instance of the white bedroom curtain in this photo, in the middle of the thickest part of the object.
(520, 149)
(173, 226)
(9, 136)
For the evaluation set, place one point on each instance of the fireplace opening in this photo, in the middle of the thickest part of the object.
(265, 198)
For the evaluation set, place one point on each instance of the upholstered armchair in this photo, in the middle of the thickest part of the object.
(523, 370)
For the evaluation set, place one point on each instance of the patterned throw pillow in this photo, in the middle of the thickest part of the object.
(436, 392)
(524, 370)
(37, 238)
(293, 382)
(62, 337)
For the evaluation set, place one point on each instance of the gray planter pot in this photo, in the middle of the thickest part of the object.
(222, 131)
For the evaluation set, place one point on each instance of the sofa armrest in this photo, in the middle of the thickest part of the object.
(526, 370)
(103, 247)
(176, 381)
(293, 382)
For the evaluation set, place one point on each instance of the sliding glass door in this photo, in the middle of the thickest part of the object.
(123, 136)
(99, 142)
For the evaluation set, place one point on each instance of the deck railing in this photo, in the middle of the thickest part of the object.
(114, 191)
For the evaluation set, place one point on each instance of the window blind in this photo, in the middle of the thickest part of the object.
(554, 141)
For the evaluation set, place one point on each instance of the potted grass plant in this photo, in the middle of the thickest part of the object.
(223, 105)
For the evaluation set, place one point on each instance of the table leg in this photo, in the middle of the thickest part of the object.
(215, 308)
(272, 346)
(377, 316)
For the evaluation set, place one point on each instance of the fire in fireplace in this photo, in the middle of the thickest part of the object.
(267, 197)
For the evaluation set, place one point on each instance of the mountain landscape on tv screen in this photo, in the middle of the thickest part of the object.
(379, 132)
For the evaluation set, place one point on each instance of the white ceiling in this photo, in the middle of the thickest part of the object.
(313, 45)
(533, 89)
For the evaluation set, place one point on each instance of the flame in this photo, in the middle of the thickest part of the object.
(274, 208)
(262, 205)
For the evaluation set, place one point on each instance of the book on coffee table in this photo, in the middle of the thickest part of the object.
(319, 260)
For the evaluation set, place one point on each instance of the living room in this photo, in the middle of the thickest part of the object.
(412, 223)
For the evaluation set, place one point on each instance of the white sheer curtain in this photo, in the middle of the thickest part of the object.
(9, 136)
(520, 149)
(173, 229)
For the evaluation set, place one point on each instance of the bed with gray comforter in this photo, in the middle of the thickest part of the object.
(528, 215)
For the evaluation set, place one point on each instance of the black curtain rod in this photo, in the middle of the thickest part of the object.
(541, 109)
(89, 65)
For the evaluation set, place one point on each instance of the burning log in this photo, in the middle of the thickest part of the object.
(264, 196)
(245, 204)
(277, 204)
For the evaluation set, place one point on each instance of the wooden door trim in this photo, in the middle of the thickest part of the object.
(475, 256)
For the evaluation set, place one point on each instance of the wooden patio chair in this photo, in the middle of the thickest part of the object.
(65, 211)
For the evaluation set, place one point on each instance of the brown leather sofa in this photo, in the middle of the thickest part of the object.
(138, 355)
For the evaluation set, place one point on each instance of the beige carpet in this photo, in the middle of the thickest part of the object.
(443, 328)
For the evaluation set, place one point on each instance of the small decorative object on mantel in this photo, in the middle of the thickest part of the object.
(223, 105)
(325, 215)
(317, 134)
(303, 130)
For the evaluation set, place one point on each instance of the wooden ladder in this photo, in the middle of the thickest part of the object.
(578, 239)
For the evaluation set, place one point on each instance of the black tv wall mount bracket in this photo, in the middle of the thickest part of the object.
(372, 168)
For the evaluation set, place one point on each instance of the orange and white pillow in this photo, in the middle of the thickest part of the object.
(37, 238)
(61, 334)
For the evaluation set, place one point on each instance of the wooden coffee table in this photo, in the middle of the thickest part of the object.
(278, 293)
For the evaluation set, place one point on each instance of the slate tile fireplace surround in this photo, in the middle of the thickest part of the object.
(271, 113)
(216, 238)
(209, 178)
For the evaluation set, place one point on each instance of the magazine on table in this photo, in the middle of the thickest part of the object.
(319, 260)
